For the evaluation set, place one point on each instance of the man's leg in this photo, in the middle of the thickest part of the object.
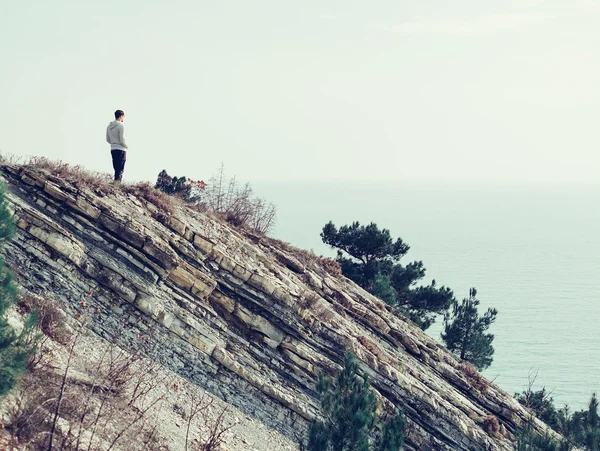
(123, 157)
(115, 161)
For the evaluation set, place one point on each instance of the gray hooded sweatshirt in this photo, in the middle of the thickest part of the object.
(114, 135)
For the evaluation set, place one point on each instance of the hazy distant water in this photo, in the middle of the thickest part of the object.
(533, 253)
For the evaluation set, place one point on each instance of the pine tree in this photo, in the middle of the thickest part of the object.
(542, 404)
(592, 427)
(529, 440)
(392, 435)
(383, 289)
(465, 332)
(371, 258)
(349, 411)
(14, 350)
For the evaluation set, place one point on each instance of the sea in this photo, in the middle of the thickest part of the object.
(532, 252)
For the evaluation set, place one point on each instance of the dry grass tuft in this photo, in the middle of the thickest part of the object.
(78, 175)
(492, 426)
(308, 258)
(330, 265)
(476, 380)
(52, 321)
(101, 183)
(10, 158)
(164, 202)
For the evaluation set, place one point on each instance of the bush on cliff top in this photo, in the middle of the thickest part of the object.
(223, 196)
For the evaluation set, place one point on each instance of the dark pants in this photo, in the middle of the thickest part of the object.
(118, 157)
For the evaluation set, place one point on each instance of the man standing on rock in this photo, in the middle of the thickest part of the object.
(114, 136)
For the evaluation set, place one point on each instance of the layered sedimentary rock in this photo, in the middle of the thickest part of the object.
(246, 317)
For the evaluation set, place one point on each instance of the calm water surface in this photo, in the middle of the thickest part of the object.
(531, 252)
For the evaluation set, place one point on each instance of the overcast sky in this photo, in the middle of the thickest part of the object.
(462, 91)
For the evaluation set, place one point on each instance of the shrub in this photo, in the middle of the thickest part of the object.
(178, 186)
(465, 332)
(541, 403)
(236, 203)
(491, 426)
(349, 415)
(15, 350)
(222, 196)
(476, 380)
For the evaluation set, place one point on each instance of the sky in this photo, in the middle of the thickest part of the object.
(502, 91)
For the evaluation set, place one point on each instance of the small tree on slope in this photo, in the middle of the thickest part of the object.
(586, 426)
(465, 332)
(371, 258)
(14, 350)
(178, 186)
(349, 410)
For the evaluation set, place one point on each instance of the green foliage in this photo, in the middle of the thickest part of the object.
(422, 304)
(349, 411)
(580, 429)
(585, 426)
(14, 350)
(365, 243)
(392, 434)
(174, 185)
(349, 416)
(542, 405)
(370, 257)
(383, 289)
(528, 440)
(465, 332)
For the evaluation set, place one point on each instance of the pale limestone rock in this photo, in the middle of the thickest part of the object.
(299, 361)
(54, 191)
(261, 325)
(203, 244)
(182, 277)
(177, 225)
(161, 251)
(189, 278)
(262, 283)
(84, 207)
(242, 273)
(225, 302)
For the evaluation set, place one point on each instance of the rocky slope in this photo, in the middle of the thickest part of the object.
(247, 318)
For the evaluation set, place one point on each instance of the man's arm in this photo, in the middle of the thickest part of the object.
(122, 136)
(107, 140)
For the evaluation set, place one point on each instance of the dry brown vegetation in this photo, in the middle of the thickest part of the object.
(492, 426)
(81, 396)
(307, 258)
(223, 197)
(164, 202)
(476, 380)
(101, 183)
(235, 203)
(78, 175)
(51, 318)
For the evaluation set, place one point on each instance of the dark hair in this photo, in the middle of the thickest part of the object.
(119, 113)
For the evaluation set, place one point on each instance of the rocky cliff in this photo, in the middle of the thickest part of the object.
(246, 317)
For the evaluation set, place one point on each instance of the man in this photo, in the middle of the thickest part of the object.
(114, 136)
